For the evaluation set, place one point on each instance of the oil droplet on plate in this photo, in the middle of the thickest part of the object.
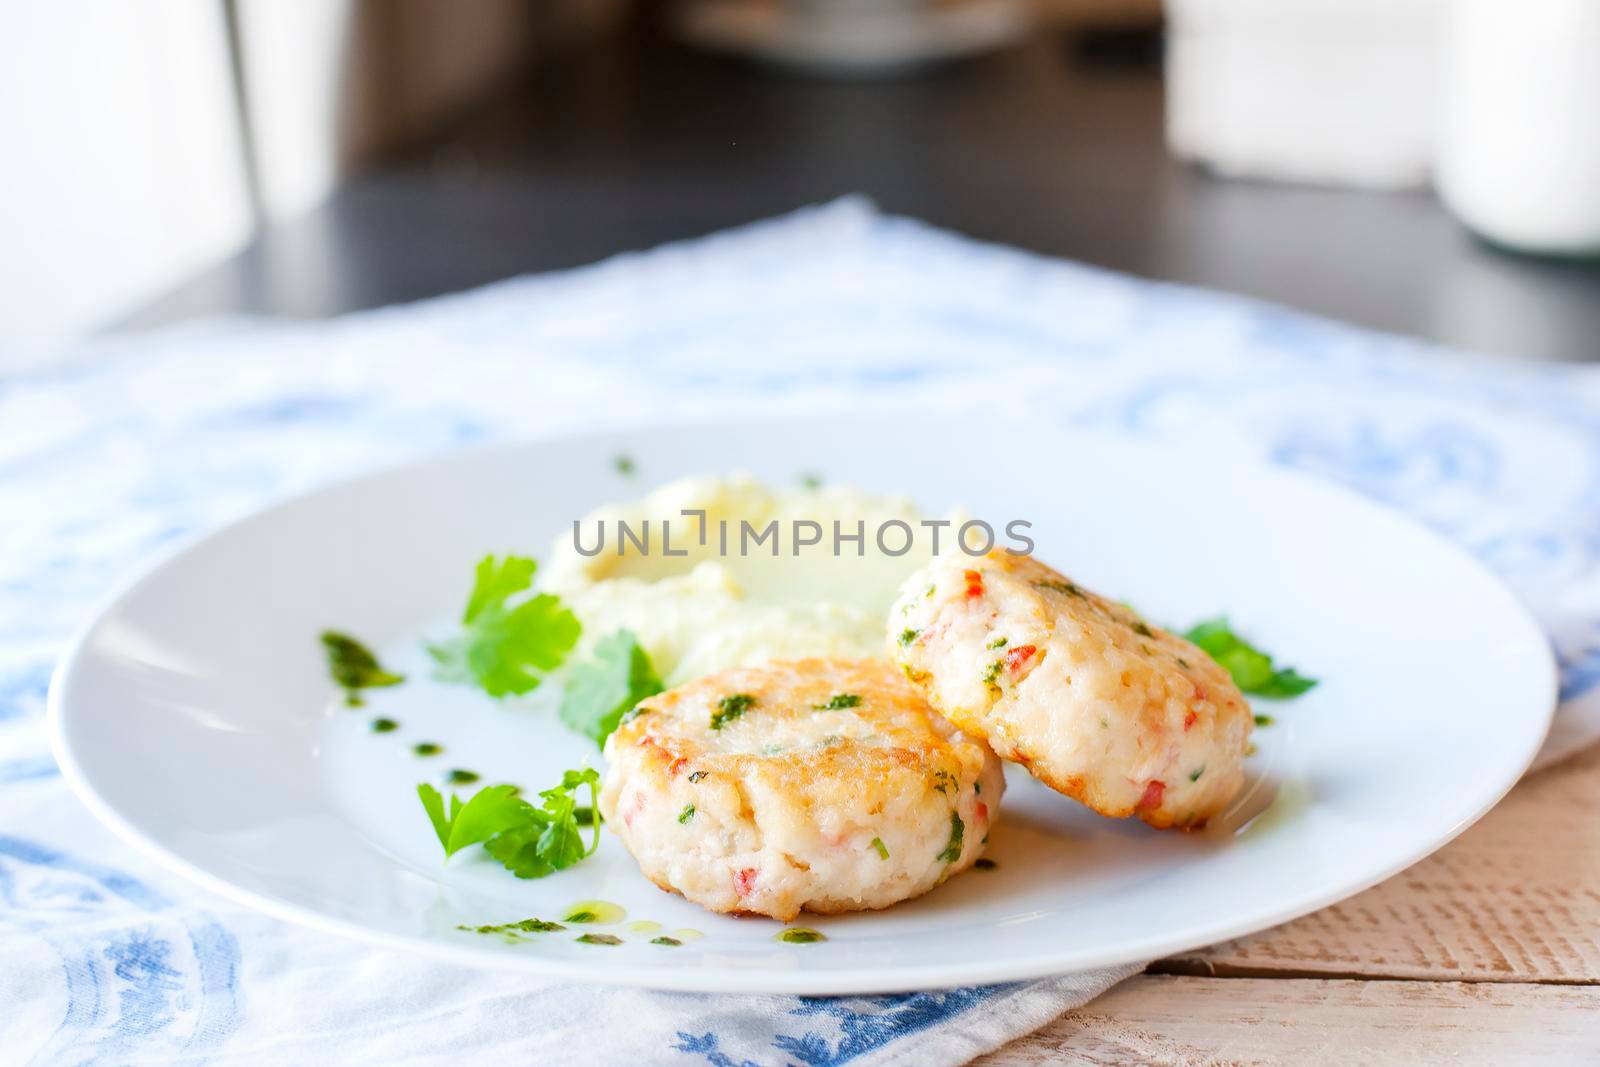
(800, 935)
(1288, 802)
(645, 926)
(599, 912)
(686, 935)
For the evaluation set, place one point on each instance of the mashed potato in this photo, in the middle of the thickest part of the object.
(713, 607)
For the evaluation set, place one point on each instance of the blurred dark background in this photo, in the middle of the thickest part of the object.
(469, 142)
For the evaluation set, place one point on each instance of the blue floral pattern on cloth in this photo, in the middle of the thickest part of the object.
(139, 975)
(109, 458)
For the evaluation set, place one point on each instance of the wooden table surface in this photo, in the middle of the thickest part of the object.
(1486, 952)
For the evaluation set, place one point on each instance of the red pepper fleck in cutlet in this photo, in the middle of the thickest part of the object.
(974, 583)
(1016, 657)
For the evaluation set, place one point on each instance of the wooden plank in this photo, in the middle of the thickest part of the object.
(1515, 899)
(1167, 1019)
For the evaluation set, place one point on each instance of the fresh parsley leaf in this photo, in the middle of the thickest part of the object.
(531, 851)
(530, 842)
(354, 667)
(606, 686)
(1252, 669)
(841, 701)
(496, 582)
(433, 804)
(550, 840)
(492, 809)
(507, 648)
(624, 464)
(731, 707)
(1286, 684)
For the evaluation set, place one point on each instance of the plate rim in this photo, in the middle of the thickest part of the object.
(837, 981)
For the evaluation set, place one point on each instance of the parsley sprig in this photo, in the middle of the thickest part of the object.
(603, 688)
(528, 841)
(504, 647)
(1252, 669)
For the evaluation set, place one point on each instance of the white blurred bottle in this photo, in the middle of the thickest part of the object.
(1337, 92)
(1519, 138)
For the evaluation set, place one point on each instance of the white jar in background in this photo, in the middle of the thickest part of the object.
(1332, 92)
(1519, 144)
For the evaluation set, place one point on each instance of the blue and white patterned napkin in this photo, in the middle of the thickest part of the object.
(108, 459)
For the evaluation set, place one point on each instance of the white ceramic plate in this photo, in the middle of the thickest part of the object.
(194, 714)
